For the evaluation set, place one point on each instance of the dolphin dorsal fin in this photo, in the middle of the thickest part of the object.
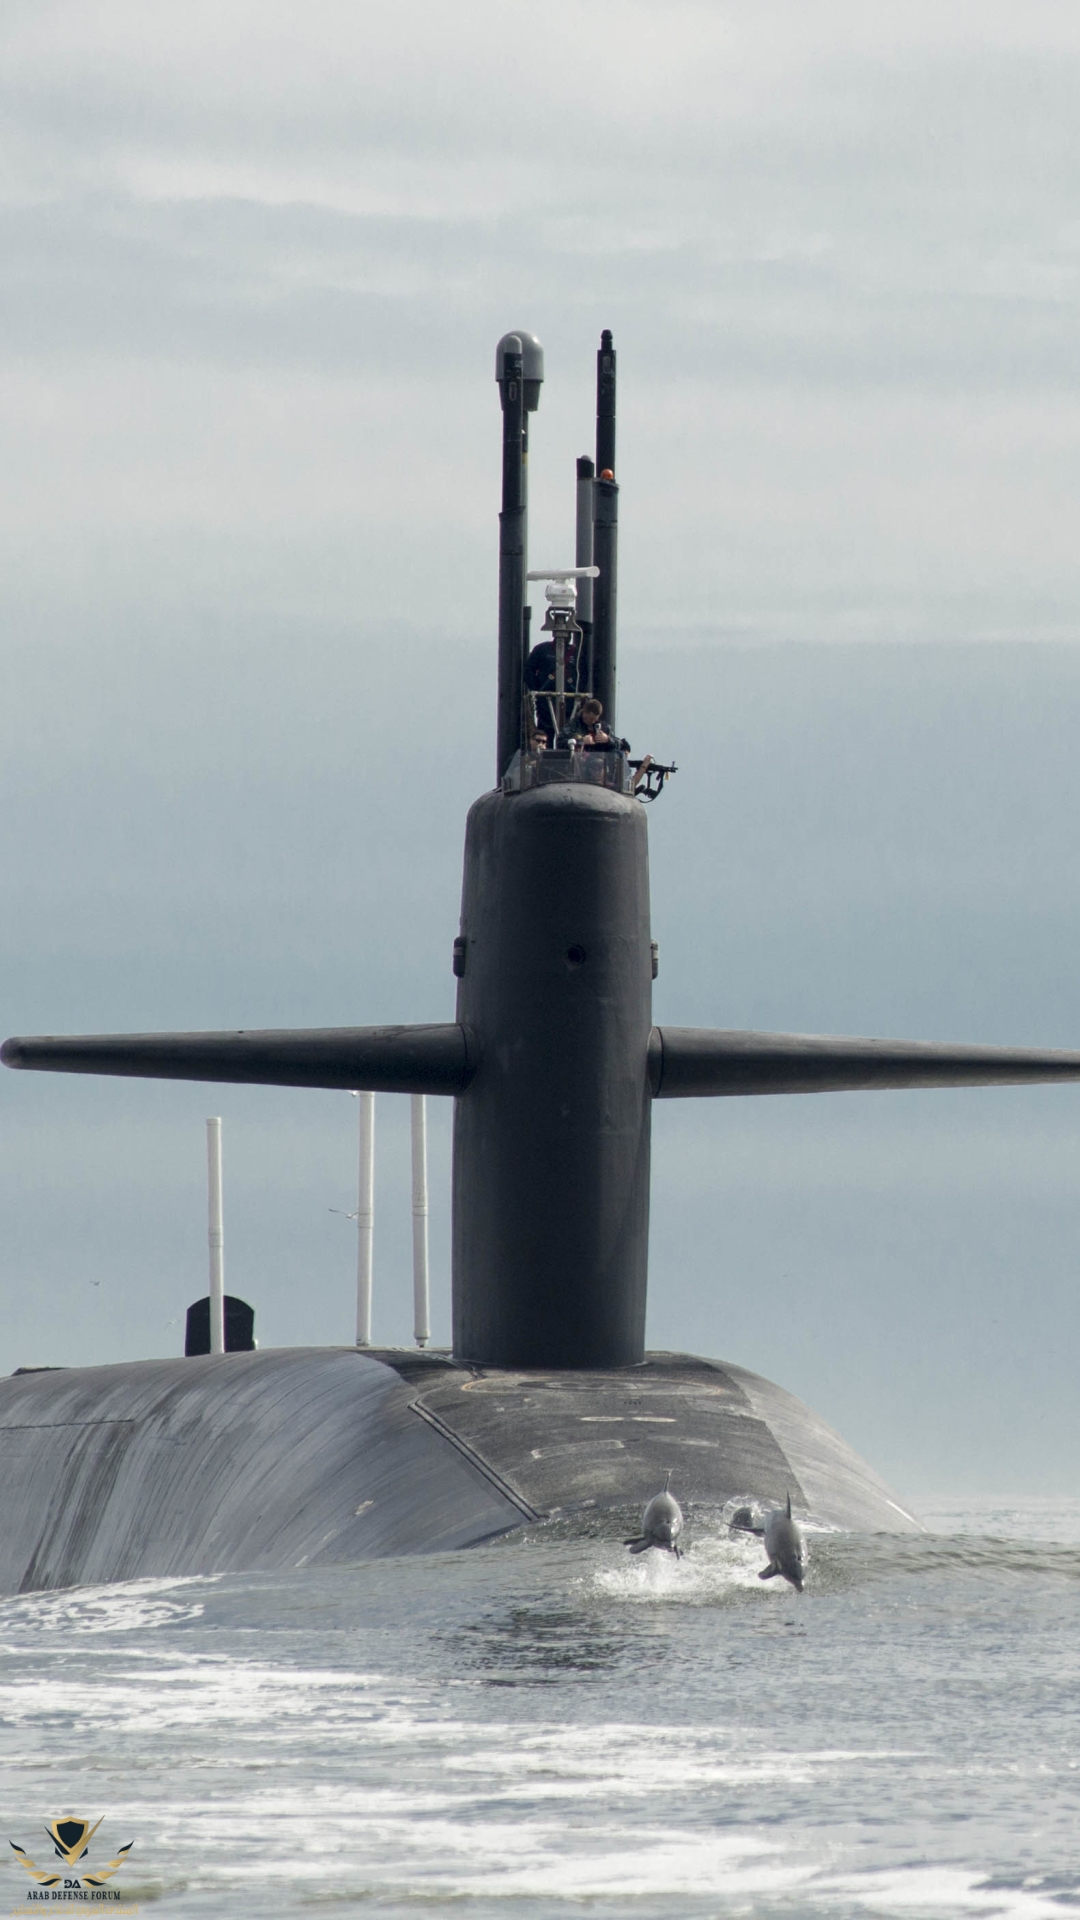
(667, 1480)
(789, 1506)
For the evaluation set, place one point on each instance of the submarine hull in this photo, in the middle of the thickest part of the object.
(324, 1456)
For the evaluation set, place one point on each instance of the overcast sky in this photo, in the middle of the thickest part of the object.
(255, 261)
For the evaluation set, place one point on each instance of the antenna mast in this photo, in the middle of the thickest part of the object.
(605, 531)
(519, 370)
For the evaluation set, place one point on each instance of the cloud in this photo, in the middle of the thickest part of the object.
(254, 264)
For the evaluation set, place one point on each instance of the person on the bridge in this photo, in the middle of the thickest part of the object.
(593, 736)
(540, 681)
(590, 727)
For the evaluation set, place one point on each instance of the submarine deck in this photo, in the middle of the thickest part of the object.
(316, 1456)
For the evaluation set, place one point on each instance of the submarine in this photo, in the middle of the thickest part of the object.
(547, 1406)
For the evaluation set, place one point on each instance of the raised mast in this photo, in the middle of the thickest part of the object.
(605, 532)
(519, 370)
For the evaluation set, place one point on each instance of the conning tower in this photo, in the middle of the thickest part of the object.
(551, 1139)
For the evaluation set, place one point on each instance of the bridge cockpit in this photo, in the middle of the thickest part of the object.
(563, 729)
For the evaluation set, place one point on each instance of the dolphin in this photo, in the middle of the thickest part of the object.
(661, 1524)
(742, 1521)
(783, 1544)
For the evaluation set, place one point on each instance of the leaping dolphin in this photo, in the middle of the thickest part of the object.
(742, 1521)
(783, 1544)
(661, 1524)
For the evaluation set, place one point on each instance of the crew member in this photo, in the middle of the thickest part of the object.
(593, 735)
(540, 679)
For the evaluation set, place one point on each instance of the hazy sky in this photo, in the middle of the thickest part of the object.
(255, 262)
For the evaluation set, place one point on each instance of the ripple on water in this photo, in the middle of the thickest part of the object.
(550, 1724)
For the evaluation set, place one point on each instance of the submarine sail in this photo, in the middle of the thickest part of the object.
(548, 1402)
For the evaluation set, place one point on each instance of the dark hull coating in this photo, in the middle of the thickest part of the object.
(432, 1059)
(551, 1137)
(227, 1462)
(324, 1456)
(693, 1061)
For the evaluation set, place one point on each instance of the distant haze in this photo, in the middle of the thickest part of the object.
(255, 264)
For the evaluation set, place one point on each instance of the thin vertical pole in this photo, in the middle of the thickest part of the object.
(512, 553)
(605, 405)
(605, 555)
(605, 531)
(365, 1219)
(421, 1304)
(216, 1237)
(583, 540)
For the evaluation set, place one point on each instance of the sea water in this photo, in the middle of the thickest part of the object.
(547, 1726)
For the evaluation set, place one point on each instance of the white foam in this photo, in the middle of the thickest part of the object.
(125, 1607)
(935, 1891)
(708, 1571)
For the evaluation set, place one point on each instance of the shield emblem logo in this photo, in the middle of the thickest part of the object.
(71, 1837)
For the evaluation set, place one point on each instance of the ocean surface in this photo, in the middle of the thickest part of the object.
(546, 1726)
